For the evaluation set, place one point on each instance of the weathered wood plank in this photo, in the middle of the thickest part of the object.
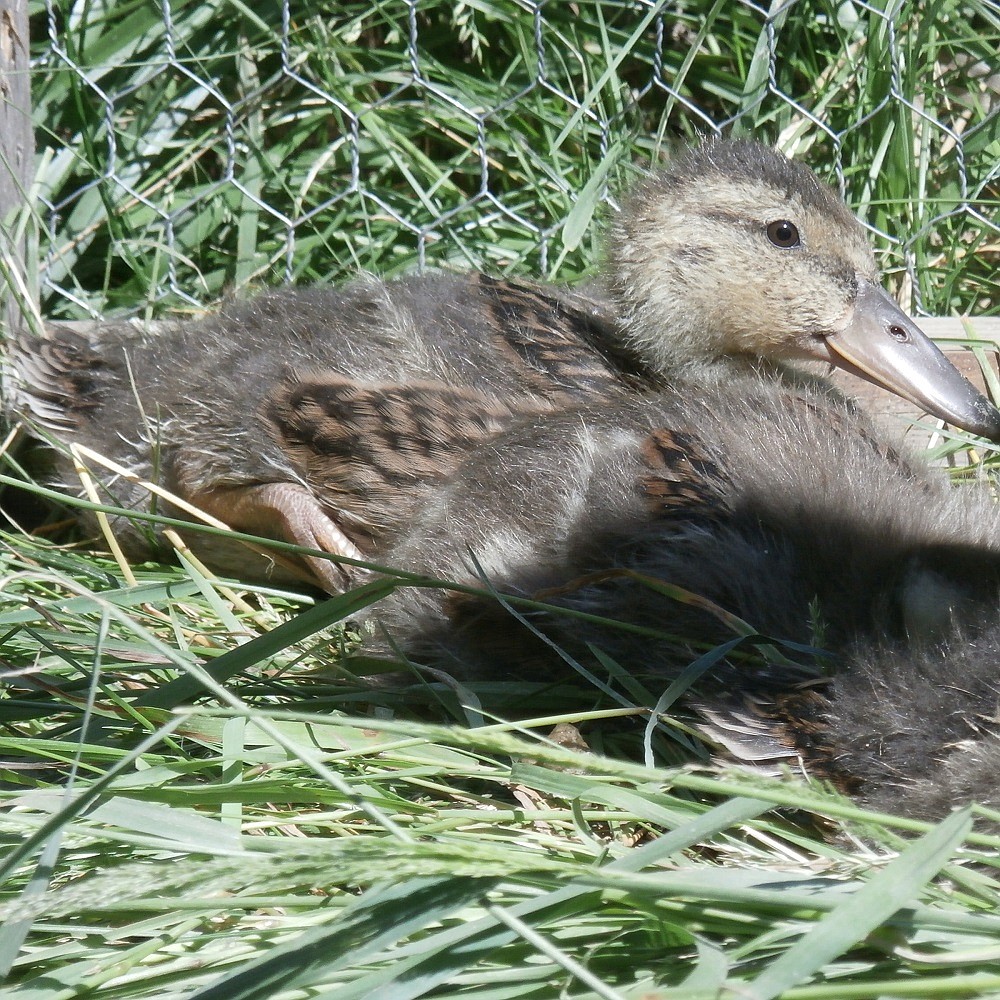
(961, 327)
(17, 145)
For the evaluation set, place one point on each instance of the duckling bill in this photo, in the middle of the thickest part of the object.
(882, 345)
(325, 417)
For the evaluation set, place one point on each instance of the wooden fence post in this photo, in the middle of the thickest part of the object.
(17, 148)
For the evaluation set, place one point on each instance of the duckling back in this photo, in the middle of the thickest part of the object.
(763, 498)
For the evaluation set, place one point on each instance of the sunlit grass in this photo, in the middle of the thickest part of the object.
(295, 828)
(234, 163)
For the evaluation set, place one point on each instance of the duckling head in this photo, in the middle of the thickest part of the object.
(735, 255)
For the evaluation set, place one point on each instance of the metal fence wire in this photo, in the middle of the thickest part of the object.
(190, 148)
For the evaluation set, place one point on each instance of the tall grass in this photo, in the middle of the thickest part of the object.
(186, 154)
(300, 832)
(200, 799)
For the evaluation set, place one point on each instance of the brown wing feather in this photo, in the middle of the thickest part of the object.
(568, 347)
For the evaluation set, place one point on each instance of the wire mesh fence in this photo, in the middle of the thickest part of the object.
(186, 149)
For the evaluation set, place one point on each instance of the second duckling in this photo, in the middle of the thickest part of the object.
(767, 504)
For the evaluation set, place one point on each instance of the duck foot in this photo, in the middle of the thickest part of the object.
(290, 513)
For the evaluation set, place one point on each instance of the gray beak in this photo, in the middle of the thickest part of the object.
(883, 345)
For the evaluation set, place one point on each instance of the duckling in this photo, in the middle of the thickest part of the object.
(768, 506)
(326, 417)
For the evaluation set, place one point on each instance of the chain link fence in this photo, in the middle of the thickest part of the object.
(190, 148)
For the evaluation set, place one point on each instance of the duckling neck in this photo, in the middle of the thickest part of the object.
(721, 369)
(673, 343)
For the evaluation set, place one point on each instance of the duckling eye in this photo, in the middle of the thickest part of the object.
(783, 233)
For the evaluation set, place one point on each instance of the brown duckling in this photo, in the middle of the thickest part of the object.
(324, 417)
(770, 505)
